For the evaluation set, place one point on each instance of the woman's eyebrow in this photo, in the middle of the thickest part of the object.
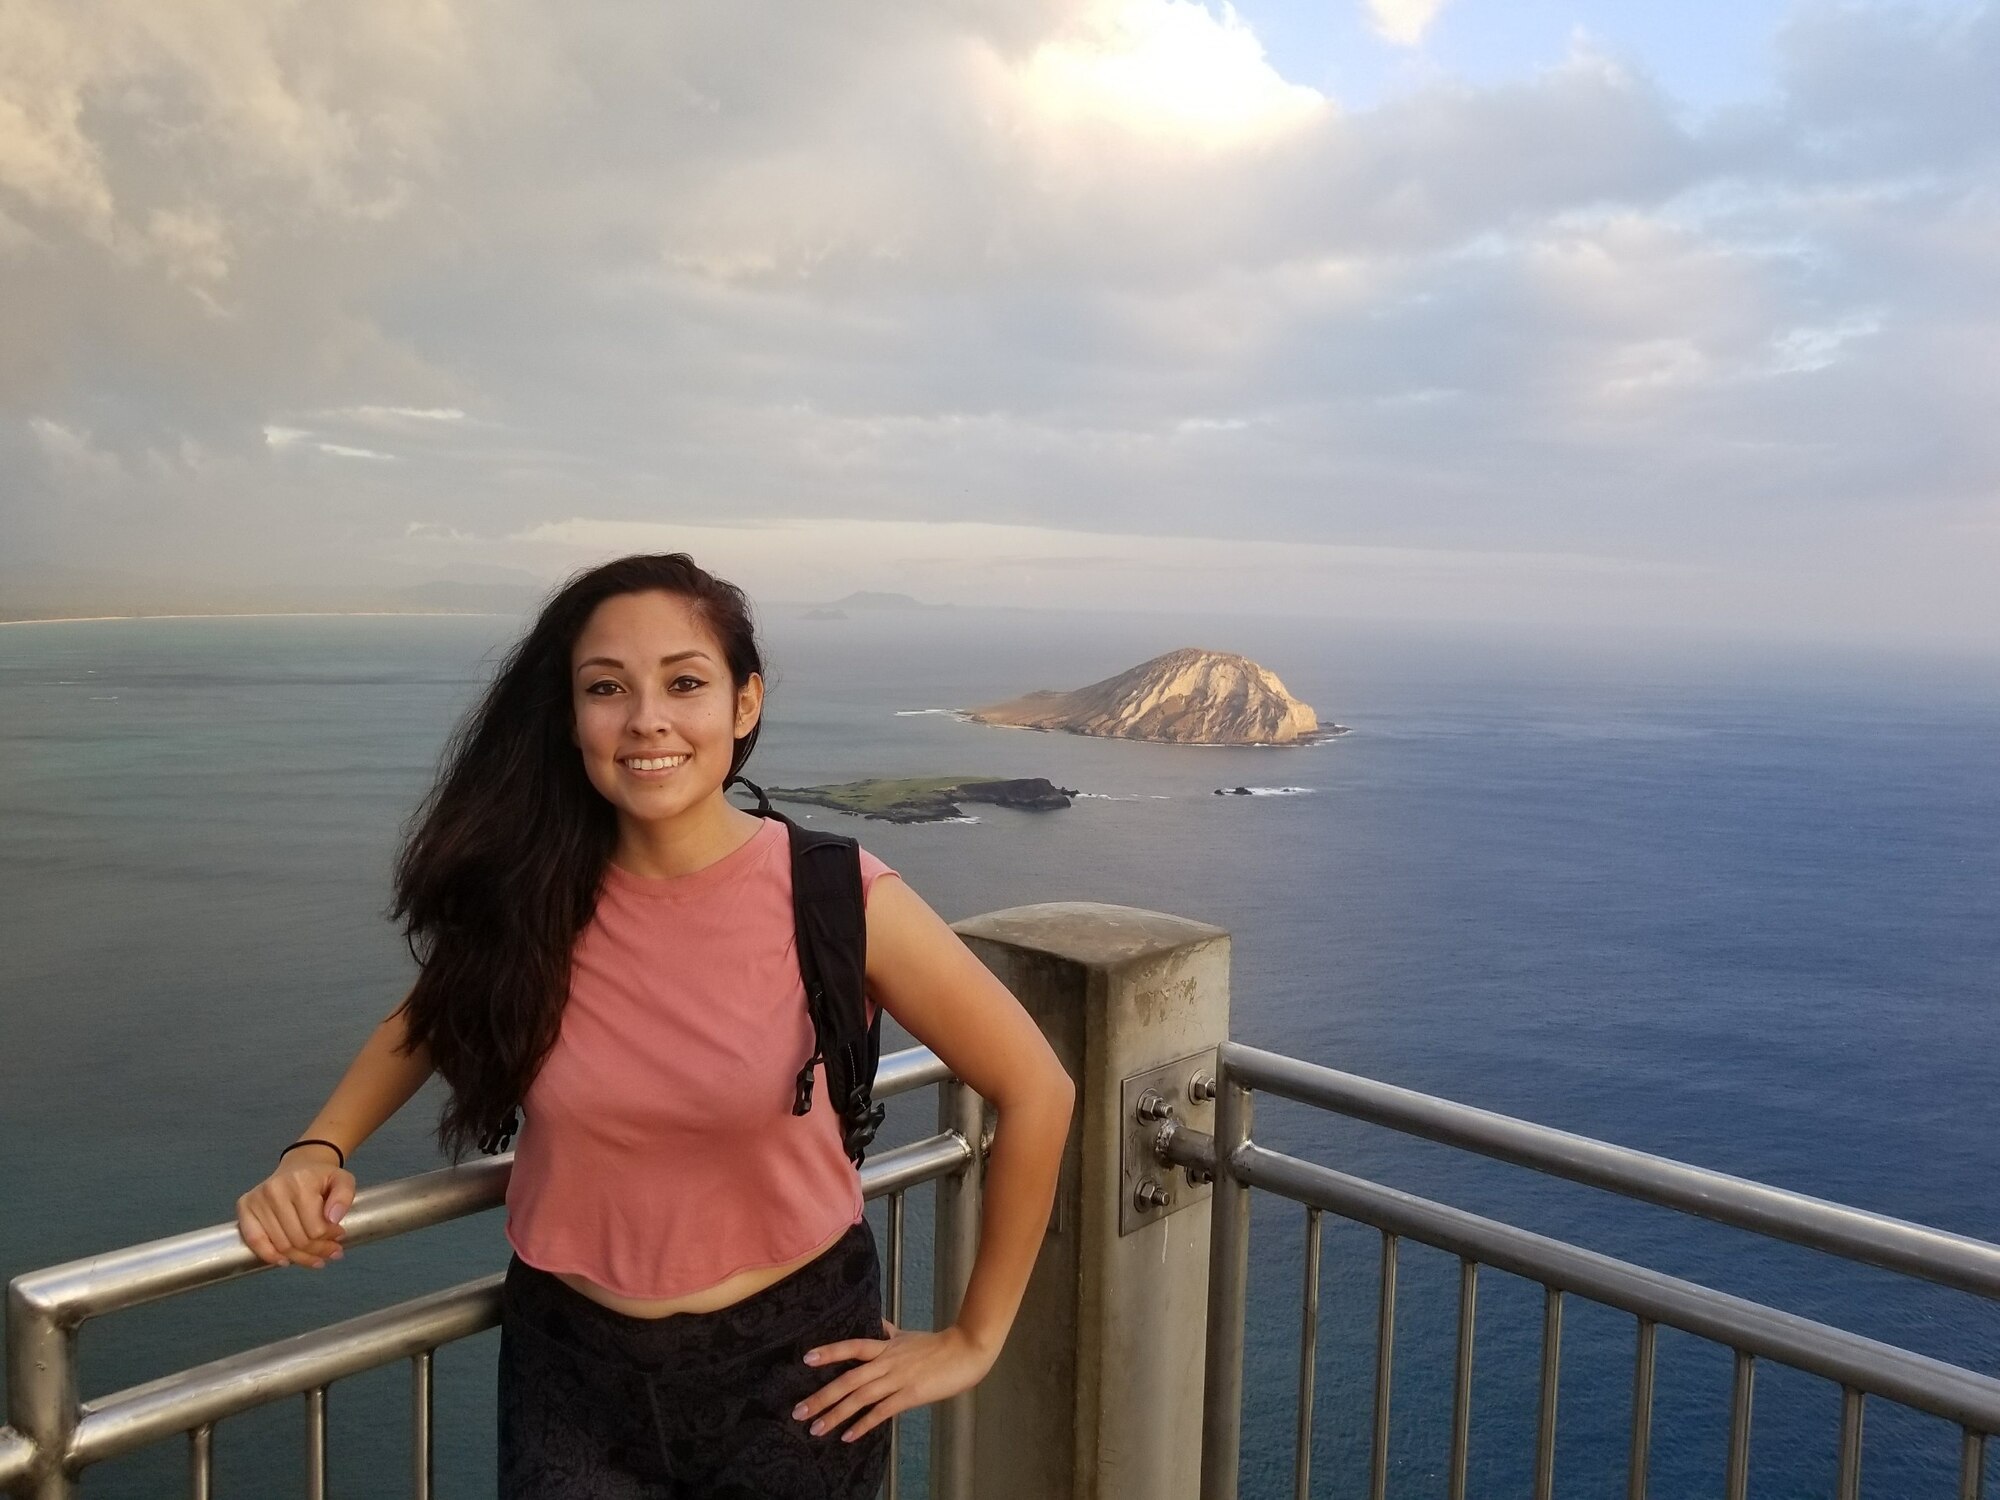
(616, 664)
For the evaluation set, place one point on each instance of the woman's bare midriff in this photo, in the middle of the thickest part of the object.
(724, 1293)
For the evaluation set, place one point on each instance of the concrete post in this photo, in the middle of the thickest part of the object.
(1098, 1393)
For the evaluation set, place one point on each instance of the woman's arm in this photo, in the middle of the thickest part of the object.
(294, 1214)
(379, 1081)
(924, 976)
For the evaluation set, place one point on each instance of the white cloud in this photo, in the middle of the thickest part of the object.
(392, 415)
(1404, 22)
(193, 243)
(346, 137)
(1201, 426)
(980, 543)
(71, 454)
(343, 450)
(1092, 264)
(436, 532)
(285, 439)
(987, 563)
(1165, 67)
(1806, 349)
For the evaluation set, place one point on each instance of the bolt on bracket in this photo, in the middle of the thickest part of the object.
(1181, 1092)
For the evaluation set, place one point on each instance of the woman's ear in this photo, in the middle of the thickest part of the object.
(749, 704)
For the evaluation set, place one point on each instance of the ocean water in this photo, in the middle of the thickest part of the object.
(1739, 908)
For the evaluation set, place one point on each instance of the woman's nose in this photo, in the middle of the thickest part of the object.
(652, 713)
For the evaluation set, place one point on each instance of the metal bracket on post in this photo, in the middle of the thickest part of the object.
(1181, 1091)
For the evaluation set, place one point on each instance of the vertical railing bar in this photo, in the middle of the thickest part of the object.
(1461, 1388)
(201, 1461)
(1228, 1289)
(1644, 1360)
(1738, 1486)
(1851, 1414)
(1308, 1359)
(316, 1443)
(1972, 1466)
(895, 1271)
(955, 1245)
(1385, 1355)
(423, 1465)
(1545, 1423)
(42, 1400)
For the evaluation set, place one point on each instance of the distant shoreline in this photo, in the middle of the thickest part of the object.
(274, 614)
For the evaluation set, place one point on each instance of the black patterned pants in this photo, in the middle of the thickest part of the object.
(597, 1405)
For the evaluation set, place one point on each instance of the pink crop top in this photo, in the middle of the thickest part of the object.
(658, 1153)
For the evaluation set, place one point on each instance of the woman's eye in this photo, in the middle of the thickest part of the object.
(683, 683)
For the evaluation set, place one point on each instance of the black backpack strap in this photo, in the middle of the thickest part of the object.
(830, 916)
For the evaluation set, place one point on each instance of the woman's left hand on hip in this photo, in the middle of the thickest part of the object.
(911, 1367)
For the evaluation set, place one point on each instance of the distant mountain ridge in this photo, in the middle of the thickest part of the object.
(43, 593)
(1185, 697)
(867, 601)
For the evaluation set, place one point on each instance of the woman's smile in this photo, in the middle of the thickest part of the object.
(652, 767)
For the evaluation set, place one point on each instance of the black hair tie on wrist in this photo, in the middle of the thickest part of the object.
(316, 1141)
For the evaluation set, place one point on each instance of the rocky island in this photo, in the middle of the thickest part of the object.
(865, 601)
(1186, 697)
(929, 799)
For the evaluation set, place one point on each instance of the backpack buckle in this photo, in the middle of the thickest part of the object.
(860, 1131)
(802, 1099)
(494, 1144)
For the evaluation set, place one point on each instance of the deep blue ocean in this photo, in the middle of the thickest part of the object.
(1739, 906)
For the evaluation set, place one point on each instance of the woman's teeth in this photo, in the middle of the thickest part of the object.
(655, 762)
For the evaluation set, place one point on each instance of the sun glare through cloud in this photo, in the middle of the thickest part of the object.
(1404, 21)
(1169, 67)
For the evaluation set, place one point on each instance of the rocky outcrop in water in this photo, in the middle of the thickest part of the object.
(1187, 697)
(929, 799)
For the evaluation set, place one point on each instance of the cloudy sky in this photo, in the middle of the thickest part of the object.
(1553, 311)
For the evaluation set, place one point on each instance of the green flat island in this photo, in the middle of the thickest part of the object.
(928, 799)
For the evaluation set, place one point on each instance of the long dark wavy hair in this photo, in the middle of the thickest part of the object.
(502, 862)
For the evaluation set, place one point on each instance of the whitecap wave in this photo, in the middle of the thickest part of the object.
(1265, 791)
(912, 713)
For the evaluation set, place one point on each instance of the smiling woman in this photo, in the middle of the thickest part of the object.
(607, 940)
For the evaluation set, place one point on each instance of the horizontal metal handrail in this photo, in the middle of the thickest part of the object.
(1862, 1367)
(909, 1068)
(1778, 1213)
(46, 1307)
(17, 1457)
(94, 1285)
(130, 1419)
(1962, 1396)
(77, 1290)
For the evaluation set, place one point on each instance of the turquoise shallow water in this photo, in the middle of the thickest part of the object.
(1737, 909)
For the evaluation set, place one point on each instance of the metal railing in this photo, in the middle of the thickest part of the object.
(53, 1434)
(1862, 1367)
